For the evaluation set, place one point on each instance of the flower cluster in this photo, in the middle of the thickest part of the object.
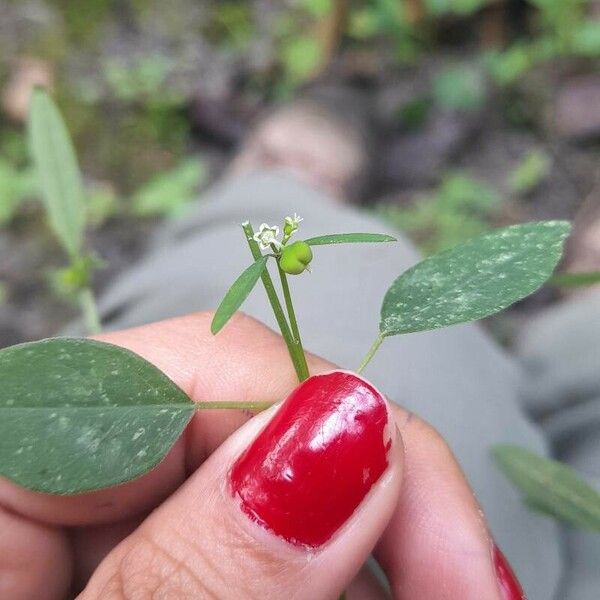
(267, 236)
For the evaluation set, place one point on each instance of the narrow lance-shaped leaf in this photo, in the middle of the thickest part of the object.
(349, 238)
(58, 172)
(237, 293)
(78, 415)
(551, 487)
(473, 280)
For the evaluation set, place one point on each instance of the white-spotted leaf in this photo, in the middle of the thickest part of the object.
(473, 280)
(78, 415)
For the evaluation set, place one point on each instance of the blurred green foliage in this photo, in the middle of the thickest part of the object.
(16, 186)
(532, 170)
(562, 30)
(134, 101)
(459, 88)
(170, 192)
(459, 209)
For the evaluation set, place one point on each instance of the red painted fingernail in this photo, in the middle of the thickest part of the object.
(312, 465)
(507, 580)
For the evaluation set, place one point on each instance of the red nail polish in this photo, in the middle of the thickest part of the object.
(509, 584)
(310, 468)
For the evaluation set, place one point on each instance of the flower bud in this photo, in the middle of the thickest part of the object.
(295, 258)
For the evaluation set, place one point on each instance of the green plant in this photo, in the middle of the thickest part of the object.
(142, 80)
(457, 7)
(169, 193)
(562, 31)
(532, 170)
(550, 487)
(88, 397)
(458, 210)
(96, 415)
(459, 88)
(16, 186)
(387, 19)
(64, 199)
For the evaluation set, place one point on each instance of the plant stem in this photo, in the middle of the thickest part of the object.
(371, 353)
(297, 357)
(260, 406)
(292, 317)
(89, 310)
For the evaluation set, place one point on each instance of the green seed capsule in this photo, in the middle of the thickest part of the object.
(295, 258)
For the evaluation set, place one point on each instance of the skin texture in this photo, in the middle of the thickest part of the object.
(420, 514)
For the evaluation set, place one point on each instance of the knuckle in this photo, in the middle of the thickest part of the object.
(148, 570)
(194, 564)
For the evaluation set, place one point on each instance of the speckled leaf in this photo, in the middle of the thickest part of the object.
(475, 279)
(551, 487)
(78, 415)
(349, 238)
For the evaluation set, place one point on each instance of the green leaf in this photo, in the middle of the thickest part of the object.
(476, 279)
(237, 293)
(349, 238)
(169, 193)
(58, 172)
(531, 171)
(301, 56)
(551, 487)
(78, 415)
(575, 279)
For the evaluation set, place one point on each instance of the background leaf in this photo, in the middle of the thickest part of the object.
(58, 172)
(551, 487)
(237, 293)
(476, 279)
(575, 279)
(78, 415)
(349, 238)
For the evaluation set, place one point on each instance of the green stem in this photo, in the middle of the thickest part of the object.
(89, 311)
(292, 317)
(260, 406)
(371, 353)
(298, 359)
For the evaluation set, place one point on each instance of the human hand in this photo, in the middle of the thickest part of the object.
(220, 534)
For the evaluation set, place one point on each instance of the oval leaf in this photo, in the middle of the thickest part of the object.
(237, 293)
(349, 238)
(78, 415)
(58, 172)
(473, 280)
(551, 487)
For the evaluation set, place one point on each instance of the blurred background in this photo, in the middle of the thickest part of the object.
(481, 113)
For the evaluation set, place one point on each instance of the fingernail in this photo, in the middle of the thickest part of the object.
(507, 580)
(315, 461)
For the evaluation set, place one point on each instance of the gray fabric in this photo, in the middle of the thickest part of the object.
(560, 352)
(455, 378)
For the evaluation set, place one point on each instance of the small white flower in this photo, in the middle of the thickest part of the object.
(290, 226)
(294, 221)
(267, 236)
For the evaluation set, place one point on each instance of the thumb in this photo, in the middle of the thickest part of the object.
(291, 505)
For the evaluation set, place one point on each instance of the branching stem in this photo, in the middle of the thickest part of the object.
(295, 351)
